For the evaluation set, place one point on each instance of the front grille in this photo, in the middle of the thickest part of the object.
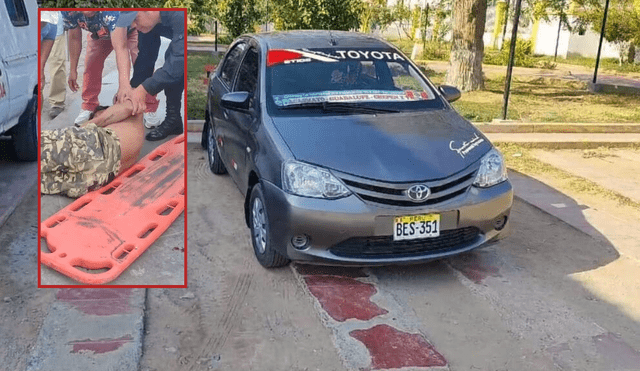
(396, 193)
(384, 247)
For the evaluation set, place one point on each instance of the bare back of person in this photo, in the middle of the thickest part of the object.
(129, 130)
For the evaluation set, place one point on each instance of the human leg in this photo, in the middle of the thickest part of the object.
(173, 123)
(45, 50)
(143, 67)
(57, 71)
(97, 52)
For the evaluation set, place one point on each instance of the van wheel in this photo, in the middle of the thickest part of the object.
(25, 134)
(260, 234)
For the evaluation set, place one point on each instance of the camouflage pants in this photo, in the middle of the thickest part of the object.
(77, 160)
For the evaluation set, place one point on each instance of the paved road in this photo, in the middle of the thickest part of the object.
(550, 297)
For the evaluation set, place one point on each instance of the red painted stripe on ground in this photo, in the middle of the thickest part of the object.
(314, 270)
(391, 348)
(100, 302)
(99, 346)
(344, 298)
(474, 267)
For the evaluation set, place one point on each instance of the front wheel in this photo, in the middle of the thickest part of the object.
(260, 234)
(215, 162)
(25, 134)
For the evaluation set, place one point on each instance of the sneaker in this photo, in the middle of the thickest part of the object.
(82, 117)
(151, 120)
(55, 111)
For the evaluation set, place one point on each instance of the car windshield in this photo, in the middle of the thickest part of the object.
(364, 78)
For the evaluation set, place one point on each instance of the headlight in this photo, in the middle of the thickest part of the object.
(311, 181)
(492, 170)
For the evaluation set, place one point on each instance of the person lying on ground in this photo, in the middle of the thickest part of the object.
(76, 160)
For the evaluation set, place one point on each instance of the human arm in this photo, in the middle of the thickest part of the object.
(75, 47)
(114, 114)
(123, 61)
(172, 70)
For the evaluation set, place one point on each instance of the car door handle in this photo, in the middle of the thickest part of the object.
(225, 114)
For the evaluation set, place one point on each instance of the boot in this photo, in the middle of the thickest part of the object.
(172, 125)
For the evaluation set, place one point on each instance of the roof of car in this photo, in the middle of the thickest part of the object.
(318, 39)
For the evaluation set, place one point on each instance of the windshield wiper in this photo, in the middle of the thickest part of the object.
(340, 107)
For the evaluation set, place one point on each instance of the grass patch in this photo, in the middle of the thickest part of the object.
(196, 87)
(519, 158)
(606, 64)
(537, 99)
(541, 99)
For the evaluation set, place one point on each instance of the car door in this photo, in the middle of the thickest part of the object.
(221, 84)
(241, 121)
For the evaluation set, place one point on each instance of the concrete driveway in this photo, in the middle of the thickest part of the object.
(549, 297)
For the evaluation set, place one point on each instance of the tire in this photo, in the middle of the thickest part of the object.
(215, 162)
(260, 234)
(205, 132)
(25, 134)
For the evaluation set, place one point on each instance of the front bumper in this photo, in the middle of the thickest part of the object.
(330, 223)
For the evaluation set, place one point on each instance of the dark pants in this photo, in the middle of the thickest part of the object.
(149, 47)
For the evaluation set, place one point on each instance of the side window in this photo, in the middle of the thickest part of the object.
(248, 75)
(230, 64)
(17, 12)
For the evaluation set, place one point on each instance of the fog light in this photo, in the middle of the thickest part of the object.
(300, 242)
(499, 223)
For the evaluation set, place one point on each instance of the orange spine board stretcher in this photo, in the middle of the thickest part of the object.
(111, 227)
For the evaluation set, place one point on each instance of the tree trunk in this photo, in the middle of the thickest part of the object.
(467, 46)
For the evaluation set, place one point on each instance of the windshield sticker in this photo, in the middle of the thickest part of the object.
(348, 96)
(287, 56)
(466, 146)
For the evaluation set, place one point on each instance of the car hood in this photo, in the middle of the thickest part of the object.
(394, 147)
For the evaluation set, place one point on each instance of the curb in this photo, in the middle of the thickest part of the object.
(567, 140)
(503, 126)
(91, 329)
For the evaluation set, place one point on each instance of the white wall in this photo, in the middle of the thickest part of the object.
(546, 40)
(587, 45)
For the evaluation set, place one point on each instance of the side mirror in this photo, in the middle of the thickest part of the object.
(450, 93)
(238, 100)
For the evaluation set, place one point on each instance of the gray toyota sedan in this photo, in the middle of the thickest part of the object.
(348, 155)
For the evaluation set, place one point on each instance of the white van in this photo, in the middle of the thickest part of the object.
(19, 76)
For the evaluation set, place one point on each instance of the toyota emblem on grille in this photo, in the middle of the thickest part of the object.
(418, 192)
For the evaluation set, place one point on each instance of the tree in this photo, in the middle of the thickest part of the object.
(467, 46)
(375, 13)
(102, 4)
(317, 14)
(198, 11)
(623, 23)
(238, 16)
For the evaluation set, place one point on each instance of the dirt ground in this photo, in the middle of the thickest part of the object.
(22, 305)
(615, 169)
(549, 297)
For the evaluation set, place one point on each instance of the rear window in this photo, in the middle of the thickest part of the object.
(374, 77)
(17, 12)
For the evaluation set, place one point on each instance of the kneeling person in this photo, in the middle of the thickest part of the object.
(77, 160)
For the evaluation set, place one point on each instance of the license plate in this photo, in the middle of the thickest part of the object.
(416, 226)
